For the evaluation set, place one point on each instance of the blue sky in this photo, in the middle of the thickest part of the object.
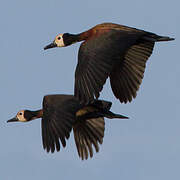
(145, 147)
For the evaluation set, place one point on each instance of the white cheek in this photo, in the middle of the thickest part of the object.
(22, 119)
(61, 43)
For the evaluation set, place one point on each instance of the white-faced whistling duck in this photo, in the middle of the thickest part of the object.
(110, 50)
(61, 113)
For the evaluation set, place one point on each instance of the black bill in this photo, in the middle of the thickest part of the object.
(13, 120)
(52, 45)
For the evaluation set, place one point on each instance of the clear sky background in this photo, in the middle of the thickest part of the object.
(144, 148)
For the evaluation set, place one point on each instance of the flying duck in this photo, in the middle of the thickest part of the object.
(110, 50)
(62, 113)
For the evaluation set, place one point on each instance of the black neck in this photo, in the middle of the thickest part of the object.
(70, 38)
(31, 115)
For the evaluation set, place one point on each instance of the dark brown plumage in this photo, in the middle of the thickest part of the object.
(110, 50)
(61, 114)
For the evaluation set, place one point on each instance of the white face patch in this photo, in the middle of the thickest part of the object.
(20, 116)
(59, 40)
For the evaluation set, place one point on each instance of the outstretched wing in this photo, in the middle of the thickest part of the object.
(88, 133)
(96, 59)
(58, 119)
(127, 75)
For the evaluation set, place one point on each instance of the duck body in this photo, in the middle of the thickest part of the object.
(110, 50)
(62, 113)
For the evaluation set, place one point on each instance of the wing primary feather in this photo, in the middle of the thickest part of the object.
(44, 137)
(56, 138)
(134, 74)
(137, 61)
(76, 138)
(81, 146)
(90, 84)
(99, 75)
(117, 87)
(52, 147)
(131, 76)
(88, 145)
(85, 151)
(89, 94)
(62, 136)
(132, 91)
(140, 68)
(96, 80)
(97, 126)
(94, 138)
(48, 137)
(94, 86)
(91, 136)
(82, 91)
(136, 55)
(63, 129)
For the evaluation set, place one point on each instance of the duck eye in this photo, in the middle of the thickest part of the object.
(59, 38)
